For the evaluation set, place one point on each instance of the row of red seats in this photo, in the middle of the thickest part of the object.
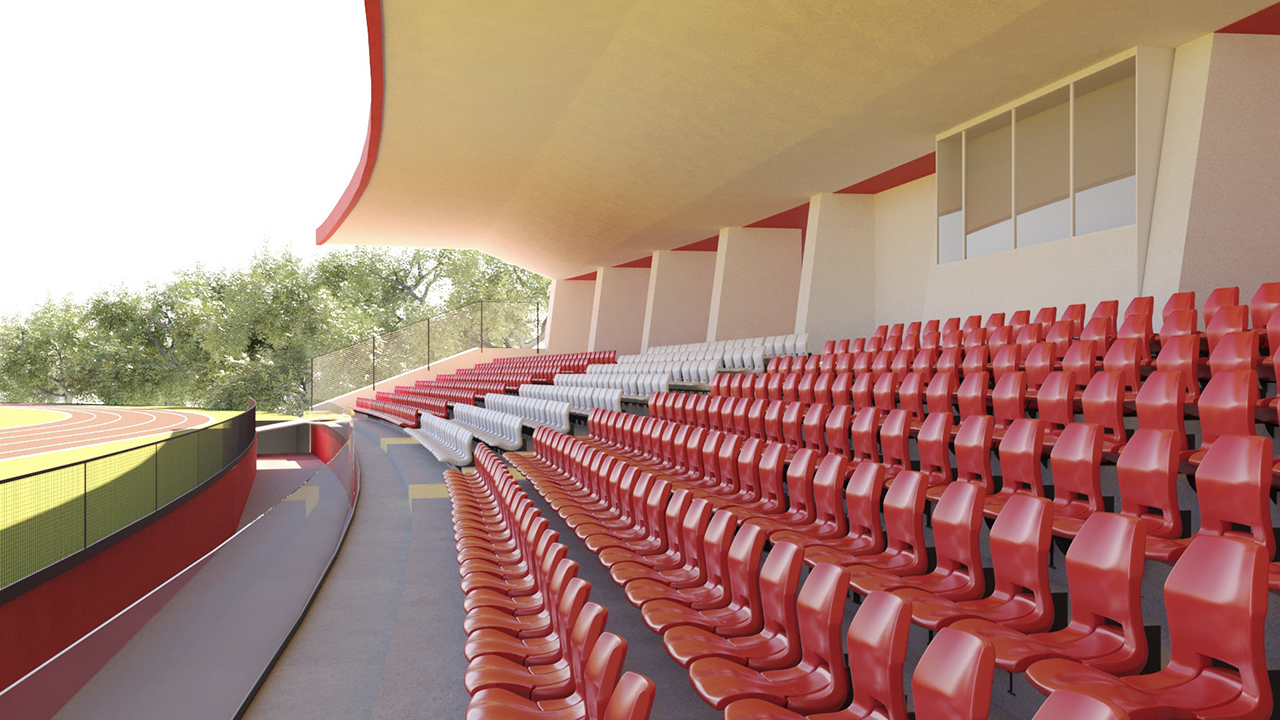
(1232, 481)
(477, 387)
(536, 646)
(1228, 404)
(557, 363)
(394, 412)
(1261, 309)
(416, 401)
(1106, 553)
(450, 395)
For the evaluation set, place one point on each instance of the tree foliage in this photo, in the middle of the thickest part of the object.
(214, 339)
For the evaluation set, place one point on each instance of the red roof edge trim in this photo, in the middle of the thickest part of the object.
(369, 155)
(1264, 22)
(587, 276)
(923, 166)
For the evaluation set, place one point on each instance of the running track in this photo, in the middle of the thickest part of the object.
(85, 427)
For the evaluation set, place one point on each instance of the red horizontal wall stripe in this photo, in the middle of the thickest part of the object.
(923, 166)
(644, 262)
(586, 276)
(1263, 22)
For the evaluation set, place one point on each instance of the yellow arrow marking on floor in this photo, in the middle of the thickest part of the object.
(397, 441)
(427, 491)
(310, 494)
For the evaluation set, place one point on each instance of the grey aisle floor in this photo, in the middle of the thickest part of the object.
(384, 636)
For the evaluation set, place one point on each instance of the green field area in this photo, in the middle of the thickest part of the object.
(15, 467)
(11, 417)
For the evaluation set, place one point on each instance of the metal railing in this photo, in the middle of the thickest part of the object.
(49, 515)
(486, 324)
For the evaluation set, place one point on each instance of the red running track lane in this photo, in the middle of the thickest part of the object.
(84, 427)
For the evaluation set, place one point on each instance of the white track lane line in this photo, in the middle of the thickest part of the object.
(177, 421)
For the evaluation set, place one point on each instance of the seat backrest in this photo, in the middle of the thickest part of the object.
(1179, 323)
(836, 430)
(941, 392)
(1225, 579)
(779, 579)
(895, 439)
(1227, 405)
(799, 476)
(911, 395)
(1074, 314)
(1038, 365)
(953, 679)
(974, 439)
(957, 525)
(883, 394)
(1220, 298)
(1137, 327)
(934, 443)
(1264, 304)
(1076, 461)
(770, 472)
(1143, 304)
(632, 699)
(1178, 301)
(1019, 544)
(924, 364)
(715, 548)
(820, 612)
(1179, 355)
(1020, 452)
(877, 641)
(1231, 318)
(975, 359)
(1045, 318)
(1055, 402)
(1079, 361)
(813, 425)
(863, 431)
(861, 395)
(1103, 403)
(1147, 472)
(971, 397)
(1233, 484)
(1104, 577)
(1124, 357)
(862, 498)
(828, 502)
(1235, 351)
(601, 673)
(1009, 399)
(822, 387)
(743, 569)
(904, 521)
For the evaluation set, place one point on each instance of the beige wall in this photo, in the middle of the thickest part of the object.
(569, 319)
(1233, 227)
(617, 318)
(756, 284)
(838, 275)
(678, 305)
(905, 250)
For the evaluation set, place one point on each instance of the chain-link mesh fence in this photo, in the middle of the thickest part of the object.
(49, 515)
(478, 325)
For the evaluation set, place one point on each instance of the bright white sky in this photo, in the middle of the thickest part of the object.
(142, 136)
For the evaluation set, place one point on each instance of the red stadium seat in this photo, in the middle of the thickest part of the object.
(1020, 452)
(1020, 599)
(1216, 669)
(1105, 631)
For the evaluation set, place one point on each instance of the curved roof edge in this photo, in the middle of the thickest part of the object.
(369, 155)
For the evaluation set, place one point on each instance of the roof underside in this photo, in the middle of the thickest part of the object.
(564, 137)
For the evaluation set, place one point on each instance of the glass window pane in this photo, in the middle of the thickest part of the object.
(950, 238)
(950, 164)
(1043, 168)
(1105, 149)
(1107, 206)
(989, 185)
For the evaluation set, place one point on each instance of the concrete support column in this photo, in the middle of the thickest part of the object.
(837, 297)
(617, 318)
(569, 318)
(679, 302)
(756, 283)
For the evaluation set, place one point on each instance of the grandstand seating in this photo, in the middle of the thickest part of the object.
(450, 442)
(836, 460)
(551, 413)
(492, 427)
